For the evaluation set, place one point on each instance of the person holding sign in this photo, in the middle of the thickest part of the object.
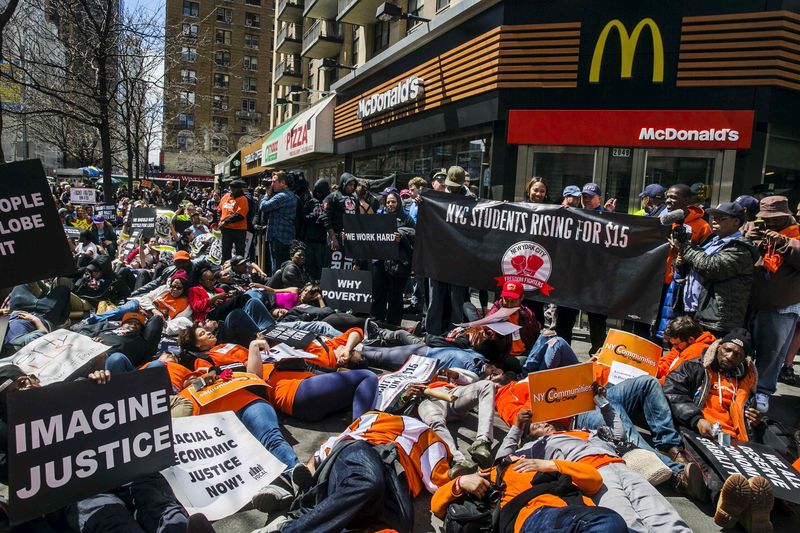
(391, 275)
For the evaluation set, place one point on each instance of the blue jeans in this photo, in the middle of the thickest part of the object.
(574, 519)
(772, 334)
(456, 358)
(320, 328)
(393, 358)
(358, 492)
(640, 395)
(242, 325)
(549, 352)
(260, 419)
(131, 306)
(118, 363)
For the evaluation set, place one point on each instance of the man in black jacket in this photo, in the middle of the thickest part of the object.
(315, 231)
(132, 341)
(338, 203)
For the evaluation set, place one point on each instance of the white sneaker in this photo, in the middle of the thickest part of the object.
(762, 402)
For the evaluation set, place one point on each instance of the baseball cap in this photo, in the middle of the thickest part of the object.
(455, 176)
(181, 255)
(729, 209)
(571, 190)
(405, 193)
(238, 183)
(98, 219)
(237, 260)
(774, 206)
(592, 189)
(512, 289)
(440, 174)
(654, 190)
(134, 315)
(388, 190)
(748, 202)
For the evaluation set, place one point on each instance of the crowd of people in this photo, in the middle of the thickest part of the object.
(222, 268)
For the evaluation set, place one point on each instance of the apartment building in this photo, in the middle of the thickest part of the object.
(218, 83)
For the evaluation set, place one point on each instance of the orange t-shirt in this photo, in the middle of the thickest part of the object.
(177, 373)
(325, 356)
(229, 205)
(171, 306)
(224, 354)
(718, 404)
(282, 386)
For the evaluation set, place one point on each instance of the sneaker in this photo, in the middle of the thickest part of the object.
(198, 523)
(481, 452)
(787, 375)
(691, 483)
(302, 478)
(734, 500)
(756, 519)
(462, 468)
(762, 402)
(273, 498)
(648, 465)
(371, 330)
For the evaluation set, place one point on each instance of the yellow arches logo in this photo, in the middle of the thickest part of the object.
(628, 48)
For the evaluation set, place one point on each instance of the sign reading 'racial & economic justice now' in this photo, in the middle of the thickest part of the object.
(606, 263)
(561, 392)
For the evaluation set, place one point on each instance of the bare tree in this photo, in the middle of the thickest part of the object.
(5, 18)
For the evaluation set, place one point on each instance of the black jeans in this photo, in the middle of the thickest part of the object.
(231, 238)
(387, 303)
(565, 321)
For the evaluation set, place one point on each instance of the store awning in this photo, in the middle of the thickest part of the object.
(231, 167)
(301, 137)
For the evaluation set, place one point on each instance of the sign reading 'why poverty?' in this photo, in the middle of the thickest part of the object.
(371, 236)
(750, 459)
(144, 220)
(60, 355)
(78, 195)
(219, 465)
(561, 392)
(32, 243)
(602, 262)
(416, 369)
(631, 350)
(347, 289)
(68, 441)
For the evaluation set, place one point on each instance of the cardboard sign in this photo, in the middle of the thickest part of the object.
(32, 243)
(295, 338)
(144, 220)
(220, 465)
(347, 289)
(132, 242)
(630, 349)
(108, 211)
(561, 392)
(72, 232)
(371, 236)
(417, 369)
(339, 261)
(73, 440)
(750, 459)
(82, 196)
(145, 184)
(61, 355)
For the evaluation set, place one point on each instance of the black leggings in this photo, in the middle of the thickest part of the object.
(344, 321)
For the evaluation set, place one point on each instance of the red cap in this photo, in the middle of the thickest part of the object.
(512, 289)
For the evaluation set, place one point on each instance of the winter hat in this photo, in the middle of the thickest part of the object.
(740, 337)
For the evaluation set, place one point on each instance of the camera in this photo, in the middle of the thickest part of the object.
(680, 234)
(760, 224)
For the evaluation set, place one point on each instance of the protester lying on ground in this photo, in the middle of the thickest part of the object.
(23, 327)
(549, 351)
(241, 326)
(180, 261)
(688, 341)
(288, 298)
(132, 341)
(357, 485)
(243, 275)
(624, 490)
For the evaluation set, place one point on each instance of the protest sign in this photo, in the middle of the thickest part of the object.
(60, 355)
(620, 372)
(416, 369)
(108, 211)
(132, 242)
(144, 219)
(607, 263)
(561, 392)
(219, 465)
(72, 232)
(32, 243)
(221, 388)
(73, 440)
(629, 349)
(347, 289)
(145, 184)
(78, 195)
(749, 459)
(281, 351)
(339, 261)
(296, 338)
(371, 236)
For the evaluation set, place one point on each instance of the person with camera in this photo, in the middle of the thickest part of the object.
(279, 212)
(775, 299)
(718, 275)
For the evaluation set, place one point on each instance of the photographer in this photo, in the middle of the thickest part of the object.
(718, 275)
(279, 211)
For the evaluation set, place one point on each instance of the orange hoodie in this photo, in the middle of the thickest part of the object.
(674, 358)
(700, 232)
(512, 398)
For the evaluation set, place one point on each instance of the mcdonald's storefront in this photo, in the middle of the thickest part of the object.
(623, 94)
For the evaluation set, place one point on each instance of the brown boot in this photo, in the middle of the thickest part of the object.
(734, 500)
(691, 483)
(756, 519)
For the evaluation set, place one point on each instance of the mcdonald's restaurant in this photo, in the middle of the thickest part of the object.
(620, 93)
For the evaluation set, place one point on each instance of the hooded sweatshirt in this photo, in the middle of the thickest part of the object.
(312, 212)
(336, 204)
(675, 358)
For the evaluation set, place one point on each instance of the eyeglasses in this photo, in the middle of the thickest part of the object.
(176, 286)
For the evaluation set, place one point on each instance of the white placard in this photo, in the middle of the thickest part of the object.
(58, 356)
(504, 328)
(501, 315)
(82, 196)
(620, 372)
(220, 464)
(417, 369)
(283, 351)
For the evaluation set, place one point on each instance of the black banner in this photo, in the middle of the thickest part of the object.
(347, 290)
(32, 243)
(371, 236)
(73, 440)
(144, 219)
(607, 263)
(750, 459)
(296, 338)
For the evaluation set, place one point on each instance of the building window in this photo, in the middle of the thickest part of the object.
(415, 8)
(223, 37)
(248, 105)
(188, 76)
(221, 81)
(381, 37)
(354, 48)
(244, 125)
(252, 2)
(186, 121)
(219, 123)
(249, 85)
(219, 102)
(224, 15)
(250, 63)
(222, 58)
(186, 97)
(251, 41)
(190, 9)
(219, 143)
(188, 54)
(442, 4)
(184, 141)
(190, 30)
(252, 20)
